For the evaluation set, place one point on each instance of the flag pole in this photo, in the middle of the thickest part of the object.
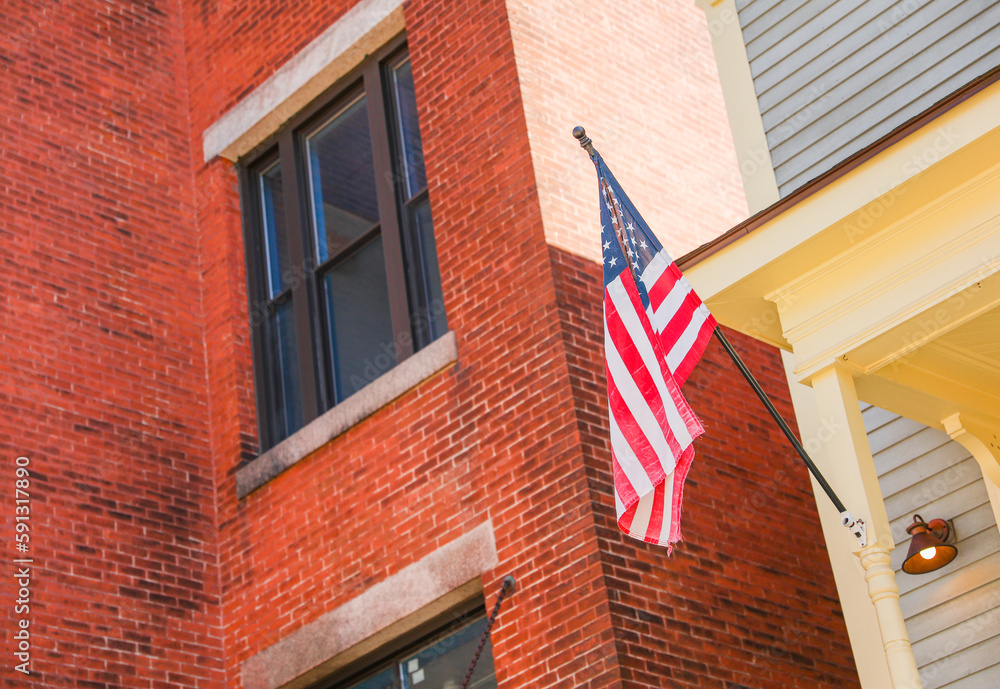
(857, 526)
(778, 418)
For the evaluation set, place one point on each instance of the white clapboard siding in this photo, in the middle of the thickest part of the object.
(953, 614)
(936, 647)
(909, 433)
(833, 76)
(984, 679)
(845, 78)
(930, 463)
(961, 664)
(936, 487)
(829, 25)
(880, 117)
(876, 418)
(959, 580)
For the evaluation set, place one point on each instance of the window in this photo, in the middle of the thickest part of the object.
(438, 661)
(344, 280)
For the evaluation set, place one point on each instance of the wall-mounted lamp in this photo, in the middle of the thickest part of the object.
(928, 551)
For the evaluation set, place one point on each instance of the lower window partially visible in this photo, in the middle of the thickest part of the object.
(438, 660)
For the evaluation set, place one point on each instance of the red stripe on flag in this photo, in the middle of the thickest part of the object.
(694, 354)
(656, 516)
(661, 288)
(643, 377)
(634, 435)
(671, 385)
(678, 322)
(680, 474)
(621, 339)
(625, 521)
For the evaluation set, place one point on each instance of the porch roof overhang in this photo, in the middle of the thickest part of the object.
(888, 265)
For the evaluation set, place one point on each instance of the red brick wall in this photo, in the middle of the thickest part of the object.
(644, 84)
(103, 384)
(131, 377)
(481, 441)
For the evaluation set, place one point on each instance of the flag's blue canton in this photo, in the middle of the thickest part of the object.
(620, 219)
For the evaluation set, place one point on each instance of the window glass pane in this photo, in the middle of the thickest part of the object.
(284, 384)
(411, 157)
(275, 232)
(361, 336)
(383, 680)
(429, 321)
(342, 180)
(443, 665)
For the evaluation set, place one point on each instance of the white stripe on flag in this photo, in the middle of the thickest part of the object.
(632, 324)
(687, 339)
(635, 401)
(670, 306)
(629, 463)
(655, 268)
(643, 511)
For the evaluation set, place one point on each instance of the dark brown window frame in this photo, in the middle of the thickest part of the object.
(287, 147)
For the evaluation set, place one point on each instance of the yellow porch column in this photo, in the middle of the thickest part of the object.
(855, 479)
(859, 613)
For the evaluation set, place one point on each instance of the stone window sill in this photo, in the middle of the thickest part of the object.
(436, 356)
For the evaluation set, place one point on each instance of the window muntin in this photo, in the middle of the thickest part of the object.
(342, 180)
(275, 228)
(408, 129)
(426, 302)
(344, 273)
(278, 332)
(359, 324)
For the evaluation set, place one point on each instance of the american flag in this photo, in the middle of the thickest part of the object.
(655, 330)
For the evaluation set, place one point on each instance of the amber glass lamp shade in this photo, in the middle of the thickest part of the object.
(928, 551)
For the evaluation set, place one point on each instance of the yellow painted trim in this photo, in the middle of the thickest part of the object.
(838, 217)
(971, 391)
(850, 468)
(983, 443)
(884, 592)
(987, 453)
(756, 169)
(859, 613)
(993, 490)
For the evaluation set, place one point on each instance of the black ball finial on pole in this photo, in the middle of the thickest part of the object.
(581, 134)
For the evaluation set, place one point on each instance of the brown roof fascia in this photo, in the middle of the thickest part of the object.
(840, 169)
